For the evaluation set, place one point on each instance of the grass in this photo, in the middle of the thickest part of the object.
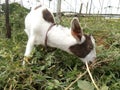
(55, 70)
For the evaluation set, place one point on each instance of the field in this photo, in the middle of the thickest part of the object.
(55, 69)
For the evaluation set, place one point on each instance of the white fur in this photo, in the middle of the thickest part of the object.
(59, 37)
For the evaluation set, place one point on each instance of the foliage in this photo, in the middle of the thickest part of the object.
(85, 85)
(55, 69)
(17, 15)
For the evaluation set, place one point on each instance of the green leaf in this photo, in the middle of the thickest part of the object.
(104, 87)
(85, 85)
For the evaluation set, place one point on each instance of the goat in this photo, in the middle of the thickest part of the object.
(41, 29)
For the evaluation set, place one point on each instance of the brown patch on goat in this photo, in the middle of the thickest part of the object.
(82, 50)
(48, 16)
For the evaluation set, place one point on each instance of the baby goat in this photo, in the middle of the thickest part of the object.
(41, 29)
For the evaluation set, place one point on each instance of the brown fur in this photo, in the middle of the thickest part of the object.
(81, 50)
(48, 16)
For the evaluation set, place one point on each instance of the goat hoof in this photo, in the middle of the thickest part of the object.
(25, 60)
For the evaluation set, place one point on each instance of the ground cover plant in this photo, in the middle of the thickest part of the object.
(55, 69)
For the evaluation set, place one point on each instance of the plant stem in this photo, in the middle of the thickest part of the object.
(91, 76)
(79, 76)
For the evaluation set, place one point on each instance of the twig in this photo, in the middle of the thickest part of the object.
(79, 76)
(91, 76)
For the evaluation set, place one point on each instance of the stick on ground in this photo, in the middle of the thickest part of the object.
(91, 76)
(79, 76)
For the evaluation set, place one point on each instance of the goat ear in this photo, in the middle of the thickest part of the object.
(76, 30)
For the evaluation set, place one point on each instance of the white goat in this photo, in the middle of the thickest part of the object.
(40, 28)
